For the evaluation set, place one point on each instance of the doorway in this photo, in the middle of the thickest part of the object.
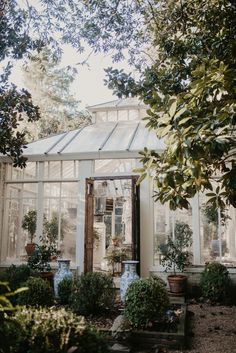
(111, 224)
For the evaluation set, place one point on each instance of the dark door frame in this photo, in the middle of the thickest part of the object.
(89, 217)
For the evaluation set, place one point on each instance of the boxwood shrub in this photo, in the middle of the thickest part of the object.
(215, 283)
(146, 300)
(39, 293)
(93, 293)
(16, 275)
(65, 288)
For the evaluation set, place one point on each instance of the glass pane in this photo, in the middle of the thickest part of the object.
(61, 225)
(114, 165)
(69, 189)
(60, 209)
(69, 169)
(112, 116)
(52, 189)
(121, 137)
(30, 190)
(16, 237)
(112, 225)
(30, 170)
(17, 173)
(133, 115)
(122, 115)
(217, 235)
(101, 117)
(52, 170)
(166, 224)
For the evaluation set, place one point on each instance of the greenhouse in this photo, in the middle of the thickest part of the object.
(84, 184)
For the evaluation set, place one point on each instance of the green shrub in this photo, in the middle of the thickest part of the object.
(16, 275)
(65, 290)
(10, 335)
(40, 293)
(54, 330)
(215, 283)
(10, 331)
(145, 300)
(94, 293)
(91, 341)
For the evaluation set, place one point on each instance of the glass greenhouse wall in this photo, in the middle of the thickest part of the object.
(54, 185)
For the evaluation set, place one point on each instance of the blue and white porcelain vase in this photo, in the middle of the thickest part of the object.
(62, 272)
(129, 276)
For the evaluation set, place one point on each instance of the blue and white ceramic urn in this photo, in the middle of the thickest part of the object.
(62, 272)
(129, 276)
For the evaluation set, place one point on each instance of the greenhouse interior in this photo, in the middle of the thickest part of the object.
(84, 184)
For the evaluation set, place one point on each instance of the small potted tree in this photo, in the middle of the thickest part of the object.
(176, 256)
(29, 224)
(45, 251)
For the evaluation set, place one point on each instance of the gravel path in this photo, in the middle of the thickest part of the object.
(212, 329)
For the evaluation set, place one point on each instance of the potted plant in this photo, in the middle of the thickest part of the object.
(115, 258)
(44, 252)
(29, 224)
(176, 256)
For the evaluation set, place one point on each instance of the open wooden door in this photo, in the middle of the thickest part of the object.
(89, 215)
(136, 221)
(112, 228)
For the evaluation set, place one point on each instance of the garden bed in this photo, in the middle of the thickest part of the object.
(149, 339)
(168, 337)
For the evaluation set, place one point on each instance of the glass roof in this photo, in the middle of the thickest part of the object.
(110, 139)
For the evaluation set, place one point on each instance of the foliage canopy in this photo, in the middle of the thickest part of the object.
(190, 88)
(185, 52)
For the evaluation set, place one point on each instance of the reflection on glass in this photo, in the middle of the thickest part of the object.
(20, 199)
(29, 172)
(101, 117)
(112, 225)
(114, 166)
(133, 115)
(52, 170)
(165, 222)
(217, 234)
(69, 169)
(60, 209)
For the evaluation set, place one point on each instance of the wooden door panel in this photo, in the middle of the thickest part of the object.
(89, 214)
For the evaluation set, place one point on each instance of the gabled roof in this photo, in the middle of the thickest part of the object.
(123, 103)
(123, 139)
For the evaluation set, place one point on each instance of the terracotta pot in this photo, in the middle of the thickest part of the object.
(177, 283)
(29, 248)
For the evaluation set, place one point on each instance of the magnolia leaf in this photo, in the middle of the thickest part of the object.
(172, 109)
(141, 178)
(180, 112)
(184, 120)
(165, 131)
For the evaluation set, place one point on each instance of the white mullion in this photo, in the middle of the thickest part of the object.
(40, 202)
(196, 230)
(19, 231)
(59, 217)
(4, 243)
(219, 234)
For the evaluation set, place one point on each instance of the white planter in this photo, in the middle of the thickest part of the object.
(62, 272)
(129, 276)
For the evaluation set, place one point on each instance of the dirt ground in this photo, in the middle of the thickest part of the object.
(211, 329)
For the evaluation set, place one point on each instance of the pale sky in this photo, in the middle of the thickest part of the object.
(88, 86)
